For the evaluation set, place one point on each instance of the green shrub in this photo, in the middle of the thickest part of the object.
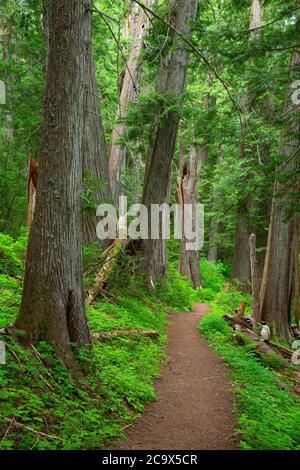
(114, 381)
(268, 414)
(12, 253)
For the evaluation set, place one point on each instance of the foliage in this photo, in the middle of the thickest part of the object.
(12, 253)
(268, 413)
(113, 382)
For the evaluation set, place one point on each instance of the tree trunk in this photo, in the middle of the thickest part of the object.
(32, 184)
(189, 260)
(241, 262)
(214, 226)
(52, 307)
(213, 247)
(296, 263)
(95, 158)
(277, 282)
(254, 278)
(159, 165)
(129, 93)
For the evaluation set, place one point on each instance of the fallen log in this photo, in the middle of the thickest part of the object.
(264, 346)
(109, 256)
(237, 321)
(113, 334)
(283, 351)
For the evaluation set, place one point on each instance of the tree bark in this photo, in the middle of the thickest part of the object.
(160, 156)
(32, 184)
(52, 307)
(296, 263)
(189, 260)
(254, 278)
(95, 157)
(129, 93)
(214, 226)
(278, 276)
(241, 263)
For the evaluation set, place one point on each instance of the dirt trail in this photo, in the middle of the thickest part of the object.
(195, 401)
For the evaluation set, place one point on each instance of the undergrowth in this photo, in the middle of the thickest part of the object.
(114, 382)
(268, 413)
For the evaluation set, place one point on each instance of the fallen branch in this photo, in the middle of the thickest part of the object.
(236, 321)
(13, 422)
(110, 257)
(111, 334)
(286, 377)
(279, 349)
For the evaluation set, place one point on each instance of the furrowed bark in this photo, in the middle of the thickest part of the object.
(161, 150)
(278, 277)
(52, 307)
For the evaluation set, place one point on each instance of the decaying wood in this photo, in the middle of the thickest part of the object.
(265, 346)
(110, 256)
(279, 349)
(32, 184)
(254, 278)
(187, 197)
(241, 310)
(111, 334)
(236, 321)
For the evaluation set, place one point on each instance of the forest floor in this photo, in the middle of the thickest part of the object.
(195, 406)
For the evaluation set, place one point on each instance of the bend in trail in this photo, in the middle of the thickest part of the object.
(195, 403)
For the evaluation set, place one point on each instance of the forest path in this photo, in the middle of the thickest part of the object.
(195, 402)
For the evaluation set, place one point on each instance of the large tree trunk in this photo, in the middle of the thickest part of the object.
(214, 226)
(159, 165)
(52, 307)
(277, 282)
(241, 261)
(129, 93)
(186, 190)
(95, 158)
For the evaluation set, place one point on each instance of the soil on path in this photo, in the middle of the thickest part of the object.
(195, 403)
